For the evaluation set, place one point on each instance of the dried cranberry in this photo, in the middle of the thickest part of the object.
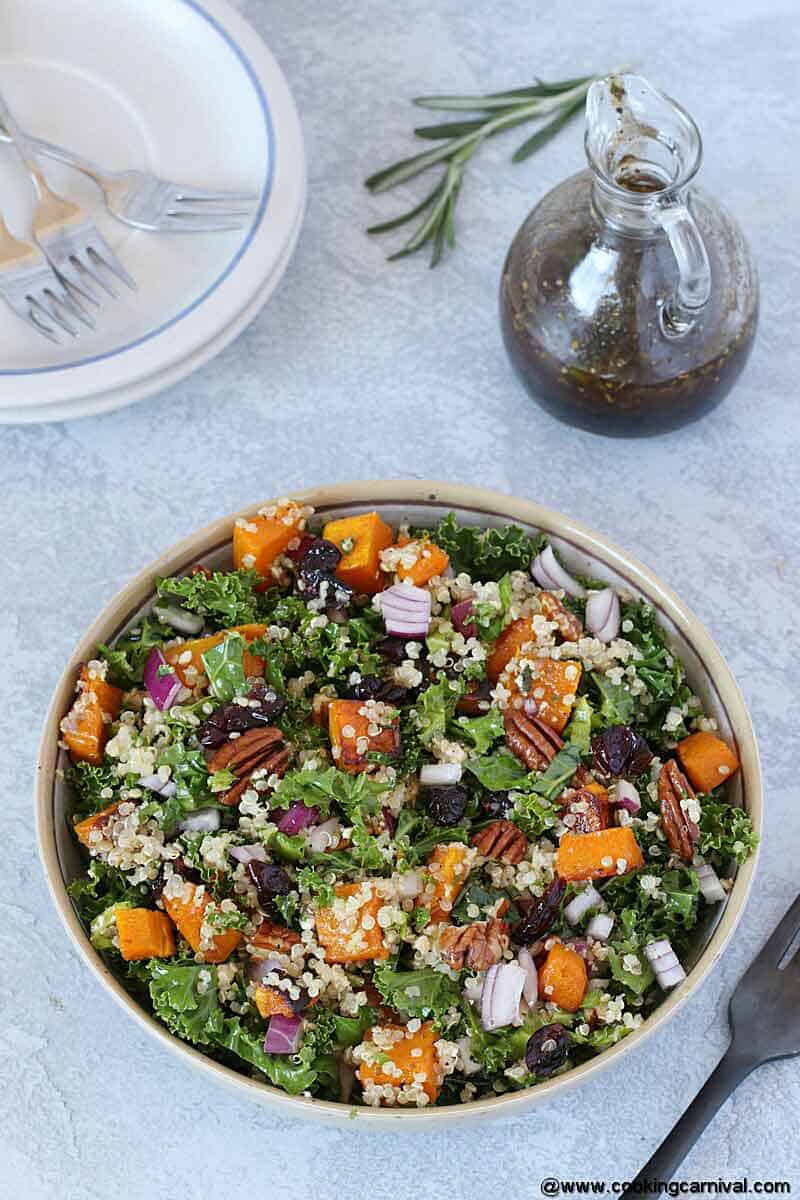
(541, 915)
(238, 718)
(496, 804)
(393, 649)
(447, 803)
(270, 880)
(321, 555)
(620, 750)
(547, 1050)
(372, 687)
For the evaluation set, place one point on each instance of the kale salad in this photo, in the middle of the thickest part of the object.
(396, 816)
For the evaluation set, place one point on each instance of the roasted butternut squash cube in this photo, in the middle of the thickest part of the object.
(353, 735)
(550, 682)
(84, 828)
(144, 933)
(360, 540)
(349, 931)
(259, 540)
(272, 1002)
(599, 855)
(392, 1054)
(430, 561)
(510, 644)
(707, 760)
(85, 727)
(192, 671)
(188, 910)
(448, 868)
(563, 978)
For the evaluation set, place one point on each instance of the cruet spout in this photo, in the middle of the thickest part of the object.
(644, 149)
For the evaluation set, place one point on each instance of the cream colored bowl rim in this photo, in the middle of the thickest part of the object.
(484, 503)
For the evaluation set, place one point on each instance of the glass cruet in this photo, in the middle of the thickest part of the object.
(629, 300)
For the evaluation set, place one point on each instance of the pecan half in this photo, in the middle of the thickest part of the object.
(569, 626)
(479, 945)
(257, 749)
(533, 741)
(271, 936)
(681, 831)
(503, 840)
(586, 811)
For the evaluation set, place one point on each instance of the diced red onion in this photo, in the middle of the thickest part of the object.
(163, 688)
(178, 618)
(434, 774)
(298, 817)
(530, 988)
(603, 614)
(205, 820)
(153, 783)
(254, 852)
(600, 927)
(580, 946)
(579, 905)
(323, 836)
(460, 616)
(626, 796)
(502, 992)
(710, 886)
(283, 1035)
(259, 968)
(549, 573)
(409, 885)
(664, 961)
(406, 610)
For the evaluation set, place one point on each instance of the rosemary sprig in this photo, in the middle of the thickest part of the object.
(459, 139)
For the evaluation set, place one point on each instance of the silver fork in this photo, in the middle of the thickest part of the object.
(765, 1022)
(145, 201)
(30, 286)
(68, 236)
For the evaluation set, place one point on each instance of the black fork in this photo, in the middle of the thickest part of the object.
(765, 1023)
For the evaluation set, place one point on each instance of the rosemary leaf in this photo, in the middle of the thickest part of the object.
(404, 218)
(389, 177)
(545, 132)
(450, 129)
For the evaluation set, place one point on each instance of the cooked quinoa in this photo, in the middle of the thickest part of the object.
(396, 816)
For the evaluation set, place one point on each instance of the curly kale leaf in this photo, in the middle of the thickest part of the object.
(486, 554)
(185, 997)
(666, 910)
(101, 887)
(726, 832)
(224, 598)
(435, 708)
(660, 670)
(422, 993)
(126, 658)
(480, 732)
(87, 783)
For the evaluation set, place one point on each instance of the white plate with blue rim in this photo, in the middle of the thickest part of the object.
(184, 88)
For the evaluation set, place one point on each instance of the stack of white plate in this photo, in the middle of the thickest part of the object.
(184, 88)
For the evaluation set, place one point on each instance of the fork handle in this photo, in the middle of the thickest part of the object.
(729, 1073)
(60, 154)
(21, 142)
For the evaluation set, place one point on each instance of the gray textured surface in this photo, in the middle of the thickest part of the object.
(358, 369)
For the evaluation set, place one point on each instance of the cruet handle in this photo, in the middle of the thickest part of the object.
(679, 311)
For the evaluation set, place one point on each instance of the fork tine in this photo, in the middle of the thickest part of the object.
(209, 208)
(57, 311)
(41, 314)
(75, 307)
(775, 948)
(192, 194)
(102, 254)
(195, 223)
(32, 318)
